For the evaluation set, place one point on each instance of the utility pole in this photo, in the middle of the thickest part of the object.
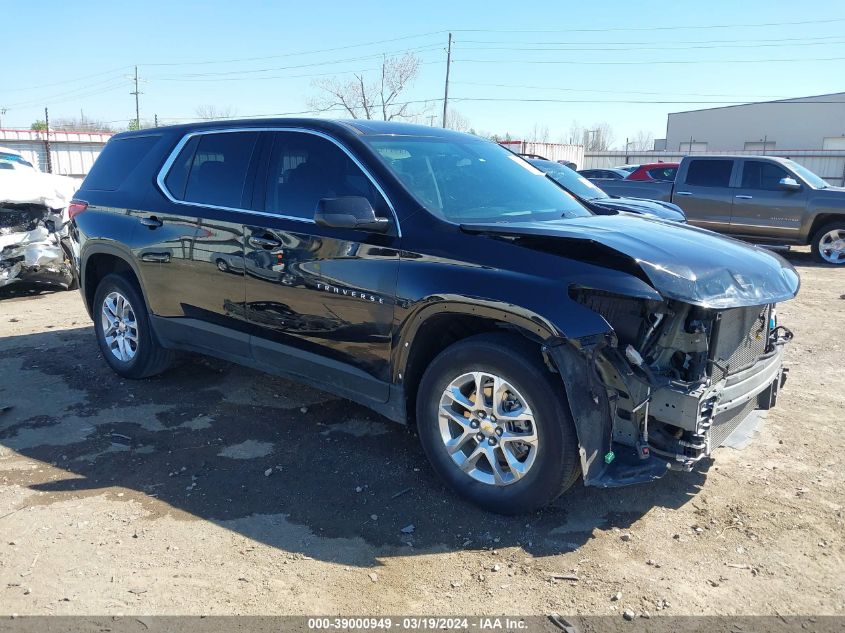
(155, 118)
(137, 108)
(47, 141)
(446, 87)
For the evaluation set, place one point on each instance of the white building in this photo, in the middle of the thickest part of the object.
(71, 153)
(805, 123)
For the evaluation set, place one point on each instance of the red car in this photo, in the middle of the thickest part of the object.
(652, 171)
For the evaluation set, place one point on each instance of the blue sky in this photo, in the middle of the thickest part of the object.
(576, 62)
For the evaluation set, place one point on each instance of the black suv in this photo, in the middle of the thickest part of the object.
(438, 279)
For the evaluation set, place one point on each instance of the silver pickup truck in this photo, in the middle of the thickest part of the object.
(758, 198)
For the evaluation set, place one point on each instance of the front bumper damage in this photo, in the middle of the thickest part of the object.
(34, 246)
(636, 418)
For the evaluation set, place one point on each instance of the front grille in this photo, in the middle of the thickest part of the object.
(725, 423)
(740, 340)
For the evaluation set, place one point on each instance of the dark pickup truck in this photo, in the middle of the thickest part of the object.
(757, 198)
(440, 280)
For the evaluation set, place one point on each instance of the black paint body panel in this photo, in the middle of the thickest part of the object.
(340, 308)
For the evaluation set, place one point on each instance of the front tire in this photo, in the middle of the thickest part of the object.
(123, 330)
(513, 449)
(828, 244)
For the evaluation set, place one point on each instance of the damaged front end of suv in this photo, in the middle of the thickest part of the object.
(679, 368)
(34, 242)
(674, 379)
(33, 246)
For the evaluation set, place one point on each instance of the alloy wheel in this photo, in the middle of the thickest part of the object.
(488, 428)
(120, 328)
(832, 246)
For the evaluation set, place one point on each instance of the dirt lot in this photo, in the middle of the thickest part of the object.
(217, 490)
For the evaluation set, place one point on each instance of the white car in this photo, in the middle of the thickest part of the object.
(13, 159)
(34, 244)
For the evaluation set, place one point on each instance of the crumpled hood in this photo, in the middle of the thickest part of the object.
(681, 262)
(662, 210)
(34, 187)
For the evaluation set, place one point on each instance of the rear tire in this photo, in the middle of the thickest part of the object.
(532, 406)
(828, 244)
(122, 324)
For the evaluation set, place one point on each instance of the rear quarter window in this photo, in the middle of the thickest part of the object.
(117, 161)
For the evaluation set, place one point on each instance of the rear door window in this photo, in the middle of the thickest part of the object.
(117, 161)
(212, 169)
(762, 175)
(709, 173)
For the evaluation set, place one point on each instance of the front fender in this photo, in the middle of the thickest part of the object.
(821, 205)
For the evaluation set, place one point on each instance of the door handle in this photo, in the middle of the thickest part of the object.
(157, 258)
(153, 222)
(263, 242)
(744, 197)
(683, 193)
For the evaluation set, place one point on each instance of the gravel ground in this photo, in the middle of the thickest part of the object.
(214, 489)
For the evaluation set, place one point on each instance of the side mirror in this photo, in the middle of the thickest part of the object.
(789, 184)
(349, 212)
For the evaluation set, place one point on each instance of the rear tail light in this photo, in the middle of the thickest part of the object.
(76, 207)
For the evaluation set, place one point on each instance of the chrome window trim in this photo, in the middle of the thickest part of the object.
(168, 164)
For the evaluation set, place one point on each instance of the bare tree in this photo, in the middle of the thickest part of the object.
(362, 98)
(540, 133)
(642, 141)
(597, 138)
(457, 121)
(80, 124)
(212, 112)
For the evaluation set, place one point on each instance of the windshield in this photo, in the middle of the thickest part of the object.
(815, 181)
(14, 158)
(473, 180)
(570, 180)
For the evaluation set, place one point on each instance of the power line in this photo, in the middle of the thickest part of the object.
(577, 48)
(310, 65)
(325, 74)
(300, 112)
(657, 28)
(645, 63)
(103, 86)
(67, 81)
(614, 92)
(311, 52)
(646, 43)
(637, 101)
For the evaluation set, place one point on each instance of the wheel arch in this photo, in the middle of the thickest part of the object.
(432, 328)
(820, 220)
(99, 260)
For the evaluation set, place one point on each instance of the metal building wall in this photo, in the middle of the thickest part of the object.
(72, 153)
(788, 124)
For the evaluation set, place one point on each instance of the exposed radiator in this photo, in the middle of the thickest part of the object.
(741, 339)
